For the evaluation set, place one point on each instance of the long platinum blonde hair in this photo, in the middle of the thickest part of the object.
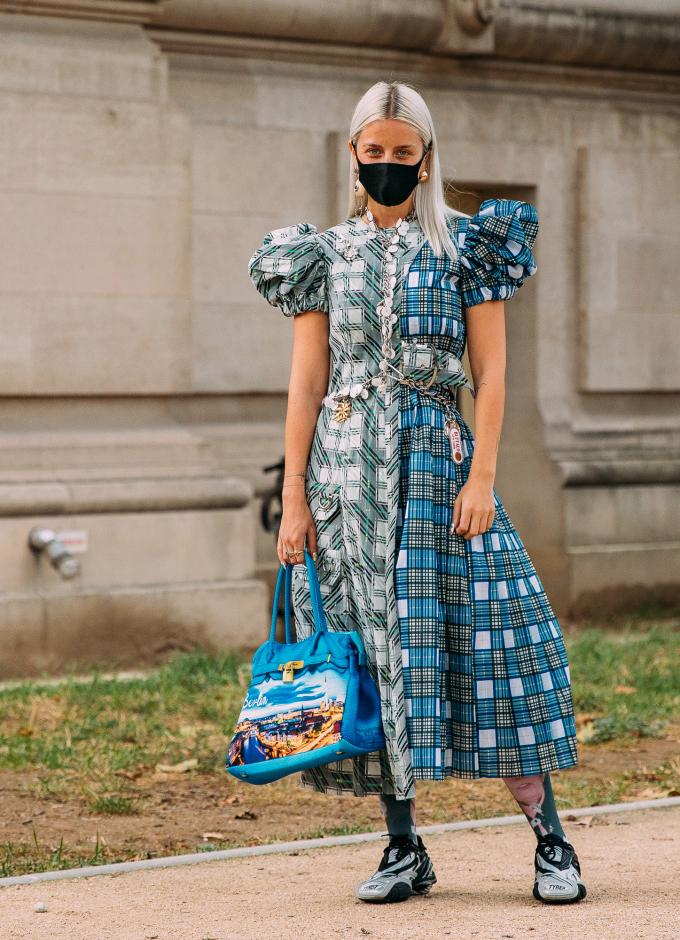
(402, 102)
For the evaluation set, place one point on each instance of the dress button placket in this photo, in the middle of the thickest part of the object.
(385, 308)
(342, 400)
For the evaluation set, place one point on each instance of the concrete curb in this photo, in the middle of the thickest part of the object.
(281, 847)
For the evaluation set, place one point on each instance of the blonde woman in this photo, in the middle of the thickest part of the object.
(386, 486)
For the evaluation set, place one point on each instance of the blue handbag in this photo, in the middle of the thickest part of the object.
(309, 702)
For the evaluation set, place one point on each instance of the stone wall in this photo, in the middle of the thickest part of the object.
(142, 157)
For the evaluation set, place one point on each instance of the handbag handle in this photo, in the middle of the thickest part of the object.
(285, 577)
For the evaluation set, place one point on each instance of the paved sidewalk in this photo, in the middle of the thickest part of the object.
(630, 862)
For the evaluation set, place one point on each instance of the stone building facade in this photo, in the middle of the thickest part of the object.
(145, 148)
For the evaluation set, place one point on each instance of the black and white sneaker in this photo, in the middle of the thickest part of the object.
(558, 872)
(405, 869)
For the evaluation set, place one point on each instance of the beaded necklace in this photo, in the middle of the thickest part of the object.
(342, 400)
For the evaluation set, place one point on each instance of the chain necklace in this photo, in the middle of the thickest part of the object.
(342, 400)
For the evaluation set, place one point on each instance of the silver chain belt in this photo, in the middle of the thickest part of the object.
(451, 426)
(342, 401)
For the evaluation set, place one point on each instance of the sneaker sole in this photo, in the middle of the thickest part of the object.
(400, 891)
(581, 894)
(424, 890)
(424, 887)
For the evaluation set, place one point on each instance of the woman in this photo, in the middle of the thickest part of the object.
(393, 496)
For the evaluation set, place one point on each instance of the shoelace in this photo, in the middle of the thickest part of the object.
(396, 850)
(551, 851)
(559, 852)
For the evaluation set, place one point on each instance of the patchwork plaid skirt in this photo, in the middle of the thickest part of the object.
(486, 675)
(485, 671)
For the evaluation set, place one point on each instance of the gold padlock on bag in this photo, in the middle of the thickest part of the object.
(290, 667)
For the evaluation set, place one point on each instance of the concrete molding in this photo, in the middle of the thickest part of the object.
(110, 11)
(123, 495)
(396, 24)
(614, 33)
(617, 470)
(474, 15)
(618, 34)
(595, 33)
(77, 628)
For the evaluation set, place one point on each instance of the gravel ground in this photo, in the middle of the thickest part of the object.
(630, 863)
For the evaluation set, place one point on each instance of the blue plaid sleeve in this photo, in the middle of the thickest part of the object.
(289, 269)
(496, 255)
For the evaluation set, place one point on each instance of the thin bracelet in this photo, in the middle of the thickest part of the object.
(294, 475)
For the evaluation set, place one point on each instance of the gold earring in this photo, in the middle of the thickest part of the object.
(423, 176)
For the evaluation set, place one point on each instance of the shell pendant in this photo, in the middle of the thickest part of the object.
(343, 409)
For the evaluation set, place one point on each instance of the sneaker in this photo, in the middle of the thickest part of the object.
(405, 869)
(558, 873)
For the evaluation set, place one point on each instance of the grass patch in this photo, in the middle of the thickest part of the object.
(115, 805)
(626, 683)
(620, 726)
(20, 859)
(93, 739)
(94, 747)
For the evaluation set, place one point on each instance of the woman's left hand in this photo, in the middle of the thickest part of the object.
(474, 508)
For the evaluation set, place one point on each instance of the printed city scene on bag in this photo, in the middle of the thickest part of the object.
(280, 718)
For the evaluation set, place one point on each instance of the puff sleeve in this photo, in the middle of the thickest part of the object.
(496, 255)
(289, 269)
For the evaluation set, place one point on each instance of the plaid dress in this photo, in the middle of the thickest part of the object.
(465, 648)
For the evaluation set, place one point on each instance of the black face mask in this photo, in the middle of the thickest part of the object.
(390, 184)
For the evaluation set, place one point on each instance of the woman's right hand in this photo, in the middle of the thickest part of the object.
(297, 529)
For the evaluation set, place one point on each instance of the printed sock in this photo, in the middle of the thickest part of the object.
(400, 815)
(549, 808)
(535, 797)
